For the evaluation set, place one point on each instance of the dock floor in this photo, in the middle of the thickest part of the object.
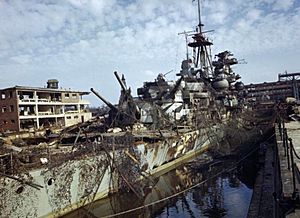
(293, 132)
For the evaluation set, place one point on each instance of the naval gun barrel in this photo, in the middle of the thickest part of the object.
(176, 87)
(110, 105)
(120, 81)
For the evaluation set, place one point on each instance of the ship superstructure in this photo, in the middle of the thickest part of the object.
(205, 88)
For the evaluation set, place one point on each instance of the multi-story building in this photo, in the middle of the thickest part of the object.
(287, 86)
(27, 108)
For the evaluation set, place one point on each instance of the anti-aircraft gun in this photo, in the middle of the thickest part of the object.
(126, 113)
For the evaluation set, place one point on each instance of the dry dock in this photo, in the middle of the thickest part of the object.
(276, 191)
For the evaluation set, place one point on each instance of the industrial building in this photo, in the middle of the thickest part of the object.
(30, 108)
(287, 86)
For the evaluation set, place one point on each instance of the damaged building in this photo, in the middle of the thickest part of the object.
(29, 108)
(286, 87)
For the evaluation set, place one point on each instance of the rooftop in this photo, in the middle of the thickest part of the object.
(43, 89)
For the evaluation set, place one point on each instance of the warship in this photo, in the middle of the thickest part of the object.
(127, 146)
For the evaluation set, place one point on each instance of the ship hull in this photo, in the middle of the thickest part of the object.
(75, 183)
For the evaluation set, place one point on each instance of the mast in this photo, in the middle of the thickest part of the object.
(199, 16)
(201, 47)
(186, 34)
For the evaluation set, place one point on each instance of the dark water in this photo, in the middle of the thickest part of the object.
(226, 194)
(222, 199)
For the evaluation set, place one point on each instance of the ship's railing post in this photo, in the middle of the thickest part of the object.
(283, 141)
(284, 132)
(292, 165)
(280, 129)
(287, 149)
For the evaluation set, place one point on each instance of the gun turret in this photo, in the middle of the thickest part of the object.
(110, 105)
(126, 113)
(120, 82)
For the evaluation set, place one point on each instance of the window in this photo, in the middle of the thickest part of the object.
(11, 108)
(68, 117)
(3, 95)
(4, 109)
(74, 95)
(67, 95)
(10, 94)
(12, 121)
(75, 117)
(5, 122)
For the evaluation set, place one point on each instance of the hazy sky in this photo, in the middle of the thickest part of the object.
(81, 42)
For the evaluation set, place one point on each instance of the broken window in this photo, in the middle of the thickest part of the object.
(12, 121)
(4, 109)
(26, 95)
(10, 94)
(71, 108)
(11, 108)
(55, 96)
(27, 110)
(28, 123)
